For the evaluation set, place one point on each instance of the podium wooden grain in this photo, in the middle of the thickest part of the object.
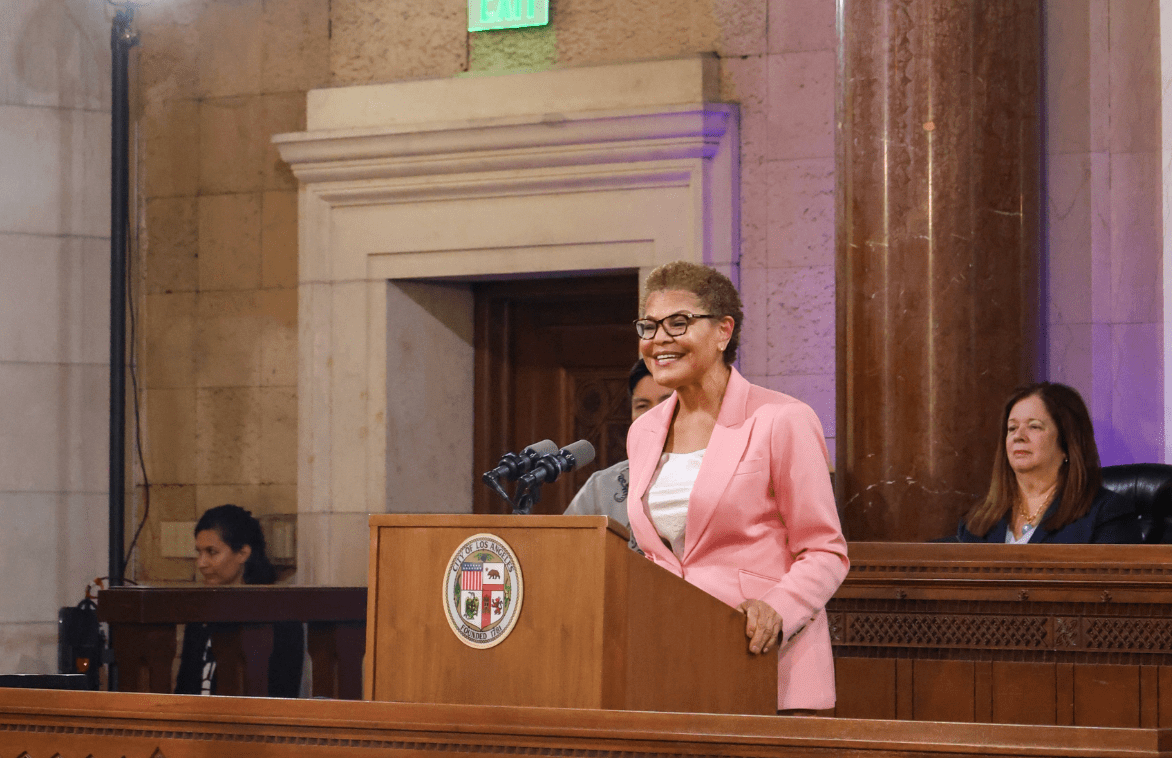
(600, 626)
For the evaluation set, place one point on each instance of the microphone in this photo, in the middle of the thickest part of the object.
(513, 466)
(549, 467)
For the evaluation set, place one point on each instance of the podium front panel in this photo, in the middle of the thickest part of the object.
(599, 627)
(552, 657)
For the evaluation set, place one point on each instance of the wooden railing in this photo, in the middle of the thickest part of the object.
(112, 725)
(143, 623)
(1035, 634)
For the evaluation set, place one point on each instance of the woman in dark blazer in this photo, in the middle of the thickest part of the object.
(1047, 485)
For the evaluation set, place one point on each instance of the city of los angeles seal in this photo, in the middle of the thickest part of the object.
(483, 591)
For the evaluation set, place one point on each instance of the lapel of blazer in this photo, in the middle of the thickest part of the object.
(997, 532)
(1041, 534)
(725, 449)
(653, 435)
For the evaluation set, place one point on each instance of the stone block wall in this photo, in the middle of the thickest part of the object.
(217, 212)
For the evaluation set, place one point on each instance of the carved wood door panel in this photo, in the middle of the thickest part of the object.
(552, 357)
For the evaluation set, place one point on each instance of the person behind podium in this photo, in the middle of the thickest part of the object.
(730, 484)
(1047, 485)
(230, 549)
(605, 492)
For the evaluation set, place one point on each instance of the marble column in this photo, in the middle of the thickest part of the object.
(938, 250)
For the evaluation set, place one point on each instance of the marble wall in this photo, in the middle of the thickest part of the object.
(1104, 231)
(1166, 184)
(54, 316)
(786, 94)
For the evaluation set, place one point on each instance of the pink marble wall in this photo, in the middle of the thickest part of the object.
(787, 203)
(1104, 232)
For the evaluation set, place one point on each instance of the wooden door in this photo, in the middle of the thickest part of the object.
(552, 357)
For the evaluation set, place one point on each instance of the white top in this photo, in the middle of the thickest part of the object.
(1027, 531)
(667, 498)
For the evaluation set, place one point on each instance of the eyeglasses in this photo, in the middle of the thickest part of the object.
(674, 325)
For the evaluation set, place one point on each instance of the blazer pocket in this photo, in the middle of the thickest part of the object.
(749, 466)
(754, 586)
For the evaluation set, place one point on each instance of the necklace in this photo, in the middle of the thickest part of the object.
(1026, 516)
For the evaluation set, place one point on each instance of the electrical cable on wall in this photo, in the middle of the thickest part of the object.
(132, 364)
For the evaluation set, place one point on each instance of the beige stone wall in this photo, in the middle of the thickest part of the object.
(218, 221)
(218, 77)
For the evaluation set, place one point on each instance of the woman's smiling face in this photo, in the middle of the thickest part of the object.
(679, 361)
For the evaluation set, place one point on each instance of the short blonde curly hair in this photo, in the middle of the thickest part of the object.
(714, 290)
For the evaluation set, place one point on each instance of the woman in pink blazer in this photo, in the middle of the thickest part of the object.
(729, 482)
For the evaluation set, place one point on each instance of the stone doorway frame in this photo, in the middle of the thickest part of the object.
(410, 190)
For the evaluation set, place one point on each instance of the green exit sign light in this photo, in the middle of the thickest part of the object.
(506, 14)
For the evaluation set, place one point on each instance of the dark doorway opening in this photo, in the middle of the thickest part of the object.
(552, 357)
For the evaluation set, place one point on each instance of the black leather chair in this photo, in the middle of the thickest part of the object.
(1149, 487)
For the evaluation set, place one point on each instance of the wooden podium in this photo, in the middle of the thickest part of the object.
(600, 626)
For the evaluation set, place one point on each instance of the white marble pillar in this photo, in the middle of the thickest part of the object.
(54, 316)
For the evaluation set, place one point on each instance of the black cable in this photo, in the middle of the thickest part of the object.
(133, 368)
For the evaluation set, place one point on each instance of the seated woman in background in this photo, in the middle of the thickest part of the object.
(230, 549)
(1047, 484)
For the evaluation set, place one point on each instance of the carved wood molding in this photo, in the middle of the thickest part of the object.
(1103, 574)
(301, 740)
(1061, 634)
(1078, 603)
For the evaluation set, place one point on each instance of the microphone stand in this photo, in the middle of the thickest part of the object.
(527, 497)
(494, 483)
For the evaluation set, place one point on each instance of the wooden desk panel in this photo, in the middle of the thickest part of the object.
(1038, 634)
(123, 725)
(143, 623)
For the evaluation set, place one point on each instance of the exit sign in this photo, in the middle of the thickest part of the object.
(506, 14)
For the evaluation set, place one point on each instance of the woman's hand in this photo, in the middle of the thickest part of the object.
(762, 625)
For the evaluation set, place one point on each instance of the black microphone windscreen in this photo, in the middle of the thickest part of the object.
(582, 451)
(545, 447)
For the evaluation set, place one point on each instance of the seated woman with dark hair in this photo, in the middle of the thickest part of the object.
(1047, 485)
(231, 551)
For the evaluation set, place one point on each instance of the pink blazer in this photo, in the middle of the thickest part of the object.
(762, 524)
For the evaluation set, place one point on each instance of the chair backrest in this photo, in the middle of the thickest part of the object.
(1149, 488)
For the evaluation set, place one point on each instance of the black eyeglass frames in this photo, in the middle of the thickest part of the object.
(674, 325)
